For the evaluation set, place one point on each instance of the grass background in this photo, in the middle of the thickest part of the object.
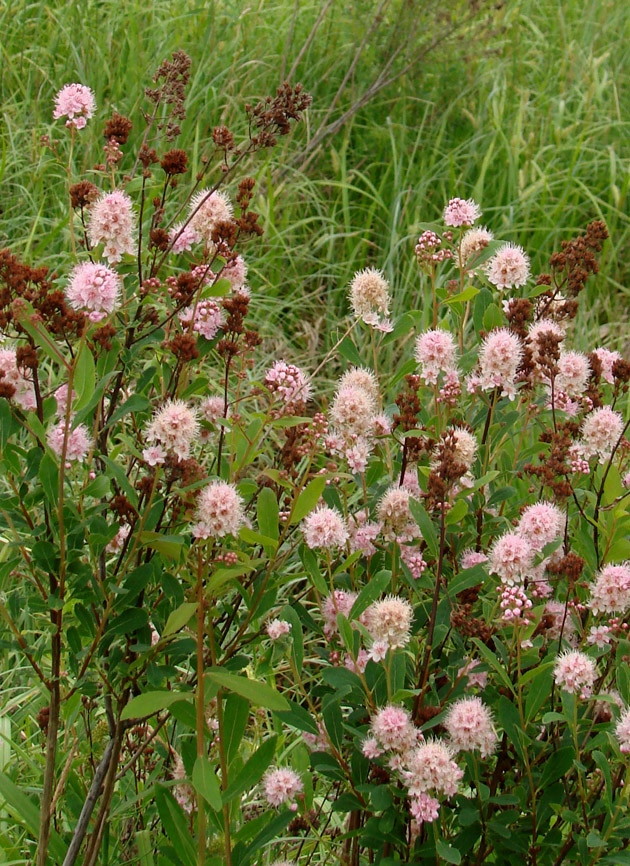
(526, 111)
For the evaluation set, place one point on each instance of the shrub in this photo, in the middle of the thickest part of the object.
(268, 623)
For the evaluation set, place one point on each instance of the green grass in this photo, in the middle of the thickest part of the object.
(527, 114)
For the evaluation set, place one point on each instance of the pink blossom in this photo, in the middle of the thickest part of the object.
(575, 672)
(514, 604)
(541, 524)
(370, 748)
(461, 212)
(394, 514)
(278, 627)
(560, 621)
(499, 359)
(357, 665)
(339, 602)
(289, 383)
(317, 742)
(473, 242)
(352, 411)
(393, 728)
(469, 725)
(622, 731)
(599, 635)
(209, 318)
(281, 785)
(509, 268)
(76, 102)
(78, 445)
(540, 329)
(324, 528)
(117, 542)
(470, 558)
(424, 808)
(357, 453)
(182, 238)
(360, 377)
(573, 373)
(431, 768)
(10, 374)
(155, 455)
(236, 272)
(390, 620)
(378, 651)
(212, 409)
(381, 425)
(607, 359)
(601, 430)
(611, 591)
(207, 210)
(413, 559)
(175, 426)
(112, 223)
(511, 557)
(362, 533)
(369, 296)
(436, 353)
(219, 511)
(475, 678)
(93, 287)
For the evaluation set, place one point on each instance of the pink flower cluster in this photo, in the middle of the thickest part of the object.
(289, 383)
(112, 223)
(470, 727)
(611, 591)
(93, 287)
(219, 511)
(499, 359)
(24, 394)
(78, 444)
(281, 785)
(207, 211)
(370, 299)
(575, 672)
(436, 353)
(430, 767)
(208, 318)
(175, 426)
(77, 103)
(461, 212)
(324, 528)
(276, 628)
(509, 268)
(393, 729)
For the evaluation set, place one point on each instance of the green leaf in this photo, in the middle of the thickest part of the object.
(467, 295)
(168, 545)
(149, 703)
(349, 351)
(235, 718)
(372, 590)
(492, 317)
(255, 691)
(298, 717)
(447, 852)
(253, 770)
(222, 575)
(267, 509)
(490, 658)
(604, 766)
(206, 783)
(175, 825)
(427, 527)
(297, 639)
(308, 499)
(26, 813)
(49, 476)
(129, 621)
(136, 403)
(37, 330)
(457, 513)
(179, 617)
(333, 720)
(273, 829)
(145, 848)
(217, 289)
(594, 840)
(84, 378)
